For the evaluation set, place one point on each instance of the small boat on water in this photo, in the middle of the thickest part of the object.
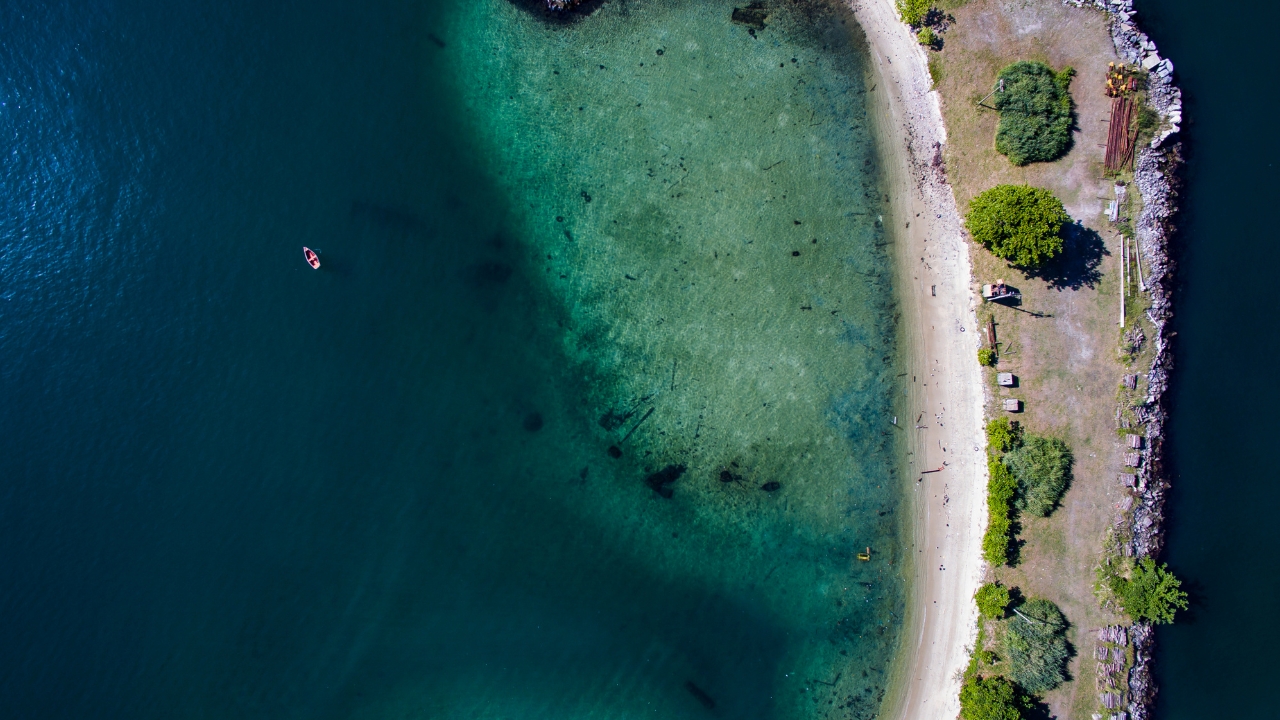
(312, 259)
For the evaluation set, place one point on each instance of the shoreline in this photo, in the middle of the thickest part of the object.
(934, 273)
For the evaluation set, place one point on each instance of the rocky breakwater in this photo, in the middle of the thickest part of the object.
(1156, 167)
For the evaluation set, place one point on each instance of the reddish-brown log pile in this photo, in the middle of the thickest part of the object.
(1122, 134)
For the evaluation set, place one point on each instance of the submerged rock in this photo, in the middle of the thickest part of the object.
(661, 481)
(771, 486)
(753, 15)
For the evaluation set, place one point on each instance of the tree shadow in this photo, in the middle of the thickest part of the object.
(571, 11)
(1016, 542)
(1079, 264)
(1039, 711)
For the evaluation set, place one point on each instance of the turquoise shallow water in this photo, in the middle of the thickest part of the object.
(588, 289)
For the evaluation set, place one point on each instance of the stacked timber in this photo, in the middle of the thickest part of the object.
(1122, 134)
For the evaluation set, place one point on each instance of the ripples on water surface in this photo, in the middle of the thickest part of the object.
(237, 487)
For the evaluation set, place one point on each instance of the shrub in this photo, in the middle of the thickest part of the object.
(992, 600)
(927, 37)
(1003, 436)
(1036, 644)
(993, 698)
(1043, 468)
(986, 357)
(995, 542)
(1152, 593)
(1018, 223)
(1001, 488)
(1035, 113)
(913, 12)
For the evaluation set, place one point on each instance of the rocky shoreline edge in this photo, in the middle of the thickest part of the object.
(1139, 524)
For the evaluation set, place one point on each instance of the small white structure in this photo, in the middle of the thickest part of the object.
(1012, 405)
(1004, 379)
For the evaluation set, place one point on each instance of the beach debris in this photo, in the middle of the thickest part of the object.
(614, 419)
(700, 694)
(865, 556)
(636, 426)
(661, 481)
(728, 476)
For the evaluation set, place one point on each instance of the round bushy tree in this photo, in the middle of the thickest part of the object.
(1042, 466)
(1019, 223)
(1036, 643)
(1035, 112)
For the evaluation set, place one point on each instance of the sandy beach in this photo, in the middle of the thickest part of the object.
(946, 392)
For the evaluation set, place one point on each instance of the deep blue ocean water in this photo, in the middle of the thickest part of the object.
(1218, 660)
(231, 486)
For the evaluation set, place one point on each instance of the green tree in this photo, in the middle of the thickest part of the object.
(986, 357)
(992, 698)
(913, 12)
(927, 37)
(992, 600)
(1042, 466)
(1018, 223)
(1036, 644)
(1035, 112)
(1152, 593)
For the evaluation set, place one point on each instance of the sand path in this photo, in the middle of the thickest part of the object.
(947, 388)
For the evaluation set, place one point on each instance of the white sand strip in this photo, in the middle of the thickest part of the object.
(936, 284)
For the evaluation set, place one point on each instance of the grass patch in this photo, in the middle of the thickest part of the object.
(1036, 112)
(1036, 643)
(935, 70)
(1043, 469)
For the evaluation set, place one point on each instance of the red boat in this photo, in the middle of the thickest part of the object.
(312, 259)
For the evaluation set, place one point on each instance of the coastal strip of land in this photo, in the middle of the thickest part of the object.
(1064, 341)
(946, 390)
